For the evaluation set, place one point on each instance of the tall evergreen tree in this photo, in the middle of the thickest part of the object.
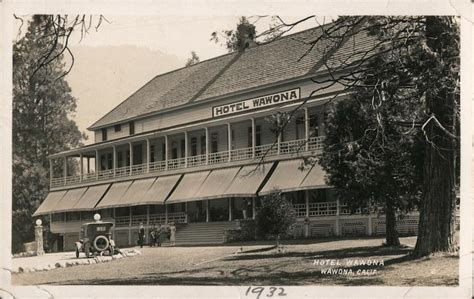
(42, 124)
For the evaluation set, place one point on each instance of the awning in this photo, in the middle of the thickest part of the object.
(160, 190)
(136, 192)
(287, 176)
(113, 196)
(92, 196)
(69, 200)
(314, 179)
(51, 200)
(248, 180)
(188, 187)
(216, 183)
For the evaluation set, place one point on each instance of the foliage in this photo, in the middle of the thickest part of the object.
(42, 106)
(193, 59)
(238, 39)
(276, 215)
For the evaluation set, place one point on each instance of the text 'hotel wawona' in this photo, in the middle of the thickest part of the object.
(259, 102)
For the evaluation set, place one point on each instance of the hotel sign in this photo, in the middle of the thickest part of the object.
(258, 102)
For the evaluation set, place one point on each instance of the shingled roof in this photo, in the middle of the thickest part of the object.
(269, 63)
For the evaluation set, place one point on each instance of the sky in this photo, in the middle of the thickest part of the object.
(128, 51)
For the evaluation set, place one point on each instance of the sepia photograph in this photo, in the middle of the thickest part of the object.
(253, 150)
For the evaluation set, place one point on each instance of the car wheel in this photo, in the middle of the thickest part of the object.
(77, 252)
(87, 250)
(101, 243)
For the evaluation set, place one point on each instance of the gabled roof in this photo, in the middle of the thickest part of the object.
(289, 57)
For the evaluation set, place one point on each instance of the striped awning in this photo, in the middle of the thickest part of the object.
(51, 200)
(216, 183)
(188, 187)
(113, 197)
(69, 200)
(136, 192)
(91, 197)
(160, 190)
(248, 180)
(288, 176)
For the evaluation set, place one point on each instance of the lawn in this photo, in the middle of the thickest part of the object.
(259, 264)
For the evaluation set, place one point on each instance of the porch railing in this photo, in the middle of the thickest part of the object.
(240, 154)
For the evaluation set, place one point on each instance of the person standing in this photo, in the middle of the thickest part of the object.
(141, 235)
(172, 233)
(158, 235)
(153, 236)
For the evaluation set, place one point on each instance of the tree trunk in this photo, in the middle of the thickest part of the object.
(437, 213)
(391, 234)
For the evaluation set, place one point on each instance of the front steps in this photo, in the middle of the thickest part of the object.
(203, 232)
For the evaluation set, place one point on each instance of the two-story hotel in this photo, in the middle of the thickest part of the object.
(197, 147)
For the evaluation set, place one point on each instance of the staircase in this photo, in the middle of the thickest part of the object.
(203, 232)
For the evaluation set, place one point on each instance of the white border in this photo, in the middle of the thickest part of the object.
(234, 7)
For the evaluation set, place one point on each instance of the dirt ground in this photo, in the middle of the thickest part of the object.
(300, 263)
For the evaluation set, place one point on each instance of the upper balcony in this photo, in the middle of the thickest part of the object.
(226, 144)
(300, 146)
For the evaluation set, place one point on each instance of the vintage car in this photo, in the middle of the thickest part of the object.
(96, 238)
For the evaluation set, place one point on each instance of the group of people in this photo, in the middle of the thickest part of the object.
(158, 234)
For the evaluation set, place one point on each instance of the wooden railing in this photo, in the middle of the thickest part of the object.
(240, 154)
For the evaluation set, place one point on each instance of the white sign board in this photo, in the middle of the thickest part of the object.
(256, 103)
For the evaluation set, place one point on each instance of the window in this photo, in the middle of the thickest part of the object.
(137, 154)
(119, 159)
(214, 142)
(163, 151)
(127, 158)
(313, 126)
(104, 134)
(57, 217)
(131, 127)
(152, 153)
(103, 162)
(194, 146)
(300, 127)
(203, 144)
(257, 136)
(110, 161)
(72, 216)
(118, 128)
(183, 148)
(174, 150)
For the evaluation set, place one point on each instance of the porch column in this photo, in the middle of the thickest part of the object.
(207, 145)
(81, 167)
(186, 212)
(185, 149)
(338, 213)
(166, 152)
(114, 157)
(148, 154)
(306, 128)
(130, 213)
(207, 210)
(306, 225)
(230, 209)
(253, 208)
(65, 169)
(131, 157)
(279, 134)
(50, 172)
(97, 162)
(88, 165)
(147, 214)
(166, 214)
(229, 140)
(253, 137)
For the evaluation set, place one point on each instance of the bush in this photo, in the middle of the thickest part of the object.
(275, 217)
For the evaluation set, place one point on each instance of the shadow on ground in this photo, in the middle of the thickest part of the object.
(236, 270)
